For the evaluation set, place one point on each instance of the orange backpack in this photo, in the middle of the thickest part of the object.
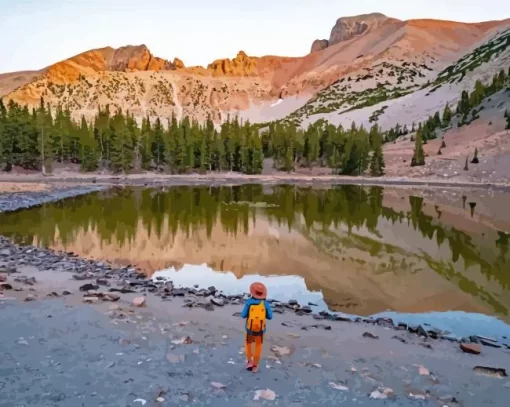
(256, 320)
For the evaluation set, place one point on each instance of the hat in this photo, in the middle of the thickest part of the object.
(258, 291)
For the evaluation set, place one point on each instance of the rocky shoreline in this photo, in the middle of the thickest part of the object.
(156, 179)
(13, 201)
(102, 282)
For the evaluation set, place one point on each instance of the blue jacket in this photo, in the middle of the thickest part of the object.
(246, 309)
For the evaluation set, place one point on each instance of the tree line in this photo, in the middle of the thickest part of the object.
(36, 139)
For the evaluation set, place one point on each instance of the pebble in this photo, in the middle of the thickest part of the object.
(139, 301)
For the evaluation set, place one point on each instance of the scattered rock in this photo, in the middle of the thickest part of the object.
(3, 278)
(142, 401)
(472, 348)
(90, 299)
(218, 301)
(160, 399)
(139, 301)
(178, 292)
(490, 343)
(423, 371)
(370, 335)
(29, 298)
(184, 340)
(292, 303)
(338, 386)
(88, 287)
(280, 351)
(66, 293)
(398, 338)
(110, 297)
(381, 394)
(490, 371)
(417, 396)
(218, 385)
(22, 341)
(264, 394)
(101, 281)
(5, 286)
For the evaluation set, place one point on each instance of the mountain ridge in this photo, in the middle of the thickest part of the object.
(132, 78)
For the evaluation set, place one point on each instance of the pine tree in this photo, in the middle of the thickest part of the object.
(507, 117)
(377, 160)
(447, 116)
(419, 155)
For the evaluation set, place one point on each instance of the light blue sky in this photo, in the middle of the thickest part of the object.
(37, 33)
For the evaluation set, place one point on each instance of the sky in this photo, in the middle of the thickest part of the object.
(38, 33)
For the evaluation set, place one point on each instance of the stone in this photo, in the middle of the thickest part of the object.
(3, 278)
(29, 297)
(398, 338)
(90, 300)
(292, 302)
(267, 394)
(178, 292)
(307, 309)
(101, 281)
(472, 348)
(88, 287)
(490, 343)
(218, 301)
(111, 297)
(66, 293)
(490, 371)
(5, 286)
(139, 301)
(370, 335)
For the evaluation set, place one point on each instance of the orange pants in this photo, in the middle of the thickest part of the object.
(258, 340)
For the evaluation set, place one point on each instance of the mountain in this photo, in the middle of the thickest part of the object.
(367, 59)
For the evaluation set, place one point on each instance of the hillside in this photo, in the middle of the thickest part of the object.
(367, 59)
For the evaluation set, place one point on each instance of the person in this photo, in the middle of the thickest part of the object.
(255, 311)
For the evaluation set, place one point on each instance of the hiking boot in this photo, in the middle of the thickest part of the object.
(249, 365)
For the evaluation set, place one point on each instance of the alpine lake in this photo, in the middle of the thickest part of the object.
(439, 257)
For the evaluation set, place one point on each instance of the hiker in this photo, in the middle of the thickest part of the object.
(256, 311)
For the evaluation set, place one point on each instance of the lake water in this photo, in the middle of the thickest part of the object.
(349, 249)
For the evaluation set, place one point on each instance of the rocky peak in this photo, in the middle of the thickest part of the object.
(347, 28)
(178, 64)
(241, 65)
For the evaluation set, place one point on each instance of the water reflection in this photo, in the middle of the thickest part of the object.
(283, 288)
(364, 250)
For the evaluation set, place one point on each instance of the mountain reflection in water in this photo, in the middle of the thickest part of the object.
(363, 250)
